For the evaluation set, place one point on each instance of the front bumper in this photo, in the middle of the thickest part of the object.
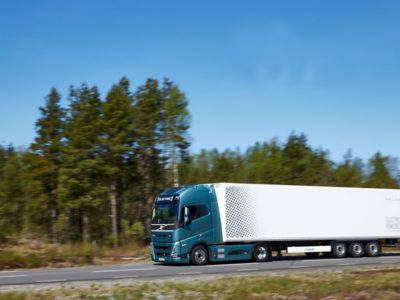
(169, 253)
(170, 260)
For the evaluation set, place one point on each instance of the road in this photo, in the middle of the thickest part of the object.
(150, 271)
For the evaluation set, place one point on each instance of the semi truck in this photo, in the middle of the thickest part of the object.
(220, 222)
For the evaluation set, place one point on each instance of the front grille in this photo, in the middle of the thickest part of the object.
(162, 247)
(162, 250)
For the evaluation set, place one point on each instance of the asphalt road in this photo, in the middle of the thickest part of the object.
(149, 271)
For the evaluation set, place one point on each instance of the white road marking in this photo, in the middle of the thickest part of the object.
(346, 264)
(312, 260)
(51, 280)
(123, 270)
(298, 267)
(246, 270)
(389, 262)
(13, 276)
(235, 264)
(190, 273)
(122, 277)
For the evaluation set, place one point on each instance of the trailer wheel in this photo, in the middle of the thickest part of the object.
(199, 255)
(372, 249)
(356, 249)
(339, 250)
(261, 253)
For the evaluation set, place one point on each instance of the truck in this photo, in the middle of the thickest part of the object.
(219, 222)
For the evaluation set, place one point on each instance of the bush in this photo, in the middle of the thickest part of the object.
(11, 260)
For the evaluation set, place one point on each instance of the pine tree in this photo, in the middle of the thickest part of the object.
(82, 191)
(296, 157)
(117, 140)
(175, 123)
(264, 162)
(147, 110)
(349, 173)
(380, 176)
(46, 160)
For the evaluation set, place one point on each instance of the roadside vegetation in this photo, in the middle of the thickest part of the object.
(380, 283)
(35, 254)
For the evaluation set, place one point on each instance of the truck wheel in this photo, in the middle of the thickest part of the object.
(339, 250)
(372, 249)
(261, 253)
(356, 249)
(199, 255)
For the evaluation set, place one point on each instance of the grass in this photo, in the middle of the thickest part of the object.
(380, 283)
(35, 254)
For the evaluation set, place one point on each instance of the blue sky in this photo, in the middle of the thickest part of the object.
(252, 70)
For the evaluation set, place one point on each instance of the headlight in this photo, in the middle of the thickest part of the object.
(152, 250)
(176, 249)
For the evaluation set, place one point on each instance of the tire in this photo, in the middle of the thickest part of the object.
(372, 249)
(199, 255)
(356, 249)
(339, 250)
(312, 254)
(261, 253)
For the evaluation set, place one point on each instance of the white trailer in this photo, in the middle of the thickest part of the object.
(308, 218)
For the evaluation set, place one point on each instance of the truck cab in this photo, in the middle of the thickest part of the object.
(185, 222)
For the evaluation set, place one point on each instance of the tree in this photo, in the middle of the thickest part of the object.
(46, 159)
(82, 191)
(380, 176)
(175, 123)
(148, 141)
(303, 165)
(296, 156)
(117, 139)
(12, 195)
(349, 173)
(264, 162)
(197, 169)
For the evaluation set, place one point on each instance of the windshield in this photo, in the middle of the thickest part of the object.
(165, 214)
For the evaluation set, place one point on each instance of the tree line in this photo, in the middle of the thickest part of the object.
(95, 166)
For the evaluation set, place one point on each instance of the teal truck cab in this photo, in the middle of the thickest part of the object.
(186, 228)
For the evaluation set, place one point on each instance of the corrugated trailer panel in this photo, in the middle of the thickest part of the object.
(255, 212)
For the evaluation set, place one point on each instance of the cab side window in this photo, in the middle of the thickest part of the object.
(200, 211)
(197, 211)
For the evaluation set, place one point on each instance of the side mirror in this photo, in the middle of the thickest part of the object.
(186, 213)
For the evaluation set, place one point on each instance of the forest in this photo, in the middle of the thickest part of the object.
(95, 166)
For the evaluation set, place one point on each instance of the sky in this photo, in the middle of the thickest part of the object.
(251, 70)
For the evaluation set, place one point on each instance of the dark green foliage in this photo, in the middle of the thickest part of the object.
(175, 122)
(95, 166)
(12, 195)
(44, 162)
(81, 190)
(380, 176)
(116, 141)
(349, 173)
(150, 164)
